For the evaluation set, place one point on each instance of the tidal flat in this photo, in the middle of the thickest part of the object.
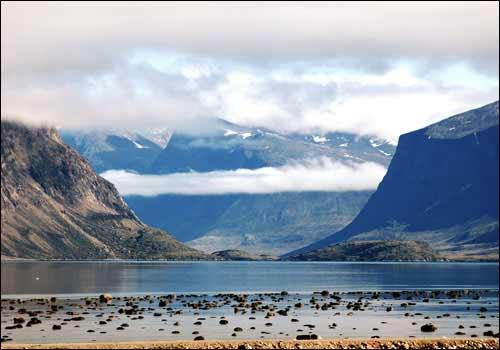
(257, 316)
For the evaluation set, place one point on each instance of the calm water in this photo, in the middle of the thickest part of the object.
(127, 278)
(196, 285)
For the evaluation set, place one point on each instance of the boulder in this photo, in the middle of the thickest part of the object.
(428, 327)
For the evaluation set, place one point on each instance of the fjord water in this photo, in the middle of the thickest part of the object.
(132, 277)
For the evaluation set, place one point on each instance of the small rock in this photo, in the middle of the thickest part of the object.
(105, 298)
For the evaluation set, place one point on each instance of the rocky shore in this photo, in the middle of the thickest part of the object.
(172, 320)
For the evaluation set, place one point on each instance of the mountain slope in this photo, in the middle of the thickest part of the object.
(54, 206)
(441, 186)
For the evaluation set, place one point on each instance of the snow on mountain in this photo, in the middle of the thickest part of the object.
(138, 145)
(375, 143)
(229, 132)
(320, 139)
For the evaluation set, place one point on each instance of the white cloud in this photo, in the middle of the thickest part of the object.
(314, 175)
(372, 68)
(46, 35)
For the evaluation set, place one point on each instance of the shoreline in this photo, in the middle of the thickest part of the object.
(16, 259)
(74, 296)
(362, 343)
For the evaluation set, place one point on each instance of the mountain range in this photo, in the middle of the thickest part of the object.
(438, 199)
(272, 223)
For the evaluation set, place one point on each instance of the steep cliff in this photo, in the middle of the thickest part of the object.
(441, 187)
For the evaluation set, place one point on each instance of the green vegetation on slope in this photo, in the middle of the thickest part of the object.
(373, 251)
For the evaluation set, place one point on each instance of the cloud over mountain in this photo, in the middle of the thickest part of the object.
(314, 175)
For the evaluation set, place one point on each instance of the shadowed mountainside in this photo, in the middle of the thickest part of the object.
(441, 187)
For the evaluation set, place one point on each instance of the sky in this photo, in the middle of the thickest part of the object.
(377, 68)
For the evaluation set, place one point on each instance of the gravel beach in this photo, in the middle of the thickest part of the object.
(279, 344)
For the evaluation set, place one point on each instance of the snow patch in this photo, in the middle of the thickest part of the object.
(243, 135)
(138, 145)
(130, 137)
(376, 143)
(229, 132)
(352, 157)
(320, 139)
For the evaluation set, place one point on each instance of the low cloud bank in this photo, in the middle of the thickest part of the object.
(314, 175)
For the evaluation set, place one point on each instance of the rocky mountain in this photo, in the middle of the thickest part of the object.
(230, 146)
(54, 206)
(441, 187)
(391, 250)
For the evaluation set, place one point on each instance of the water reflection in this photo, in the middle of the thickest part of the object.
(127, 277)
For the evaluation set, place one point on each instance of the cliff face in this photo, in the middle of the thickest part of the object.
(441, 186)
(54, 206)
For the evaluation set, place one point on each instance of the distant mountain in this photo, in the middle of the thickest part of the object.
(373, 251)
(231, 147)
(441, 187)
(54, 206)
(273, 223)
(270, 223)
(116, 149)
(237, 221)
